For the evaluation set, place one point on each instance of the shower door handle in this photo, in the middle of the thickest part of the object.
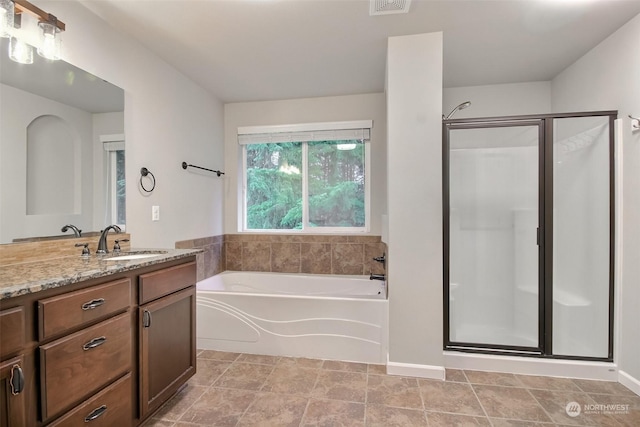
(538, 236)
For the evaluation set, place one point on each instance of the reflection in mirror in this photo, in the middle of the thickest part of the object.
(62, 149)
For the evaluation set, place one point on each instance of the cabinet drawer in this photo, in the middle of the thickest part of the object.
(63, 312)
(166, 281)
(111, 407)
(11, 330)
(75, 366)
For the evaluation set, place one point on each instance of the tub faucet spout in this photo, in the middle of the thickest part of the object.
(102, 243)
(377, 277)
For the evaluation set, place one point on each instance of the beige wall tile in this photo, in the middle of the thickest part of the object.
(315, 258)
(285, 257)
(347, 258)
(256, 256)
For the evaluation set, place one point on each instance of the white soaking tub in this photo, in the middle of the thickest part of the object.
(302, 315)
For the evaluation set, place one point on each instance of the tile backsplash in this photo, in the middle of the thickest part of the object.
(287, 253)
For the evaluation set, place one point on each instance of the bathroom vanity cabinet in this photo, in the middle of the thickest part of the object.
(106, 351)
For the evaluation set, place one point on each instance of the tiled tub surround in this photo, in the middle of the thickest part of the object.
(288, 253)
(232, 389)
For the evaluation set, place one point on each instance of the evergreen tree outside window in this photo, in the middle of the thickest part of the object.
(314, 186)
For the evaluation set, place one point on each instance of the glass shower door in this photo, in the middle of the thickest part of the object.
(493, 239)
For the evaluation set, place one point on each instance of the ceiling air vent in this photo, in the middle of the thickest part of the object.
(386, 7)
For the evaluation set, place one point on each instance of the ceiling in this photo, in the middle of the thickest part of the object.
(243, 50)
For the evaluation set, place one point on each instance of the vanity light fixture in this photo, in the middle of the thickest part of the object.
(49, 27)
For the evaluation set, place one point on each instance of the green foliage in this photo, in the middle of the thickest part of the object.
(335, 185)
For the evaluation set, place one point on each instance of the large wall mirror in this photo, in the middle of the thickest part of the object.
(62, 149)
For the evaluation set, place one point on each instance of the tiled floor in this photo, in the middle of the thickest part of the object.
(233, 389)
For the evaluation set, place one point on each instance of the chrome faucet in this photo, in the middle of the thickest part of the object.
(102, 243)
(377, 277)
(76, 231)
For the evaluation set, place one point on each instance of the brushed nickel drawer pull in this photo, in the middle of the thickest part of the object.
(93, 304)
(17, 380)
(96, 342)
(146, 319)
(95, 413)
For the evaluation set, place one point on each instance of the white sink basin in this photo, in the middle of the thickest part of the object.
(132, 256)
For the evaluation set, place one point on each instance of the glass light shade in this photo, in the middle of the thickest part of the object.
(49, 46)
(6, 18)
(20, 51)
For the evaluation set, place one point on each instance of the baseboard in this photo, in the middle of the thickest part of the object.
(629, 382)
(413, 370)
(604, 371)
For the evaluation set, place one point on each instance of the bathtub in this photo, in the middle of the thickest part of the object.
(299, 315)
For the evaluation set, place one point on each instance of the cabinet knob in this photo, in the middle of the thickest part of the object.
(17, 380)
(96, 413)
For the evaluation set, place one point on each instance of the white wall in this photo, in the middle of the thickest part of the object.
(13, 146)
(606, 78)
(414, 179)
(168, 119)
(307, 110)
(499, 100)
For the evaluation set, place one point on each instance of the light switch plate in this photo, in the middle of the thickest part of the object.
(155, 213)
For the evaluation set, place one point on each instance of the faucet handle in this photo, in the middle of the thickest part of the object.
(85, 250)
(116, 245)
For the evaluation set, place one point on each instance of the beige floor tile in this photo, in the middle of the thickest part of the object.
(492, 378)
(377, 369)
(510, 402)
(178, 404)
(399, 392)
(218, 355)
(157, 423)
(207, 371)
(330, 413)
(258, 358)
(247, 376)
(446, 396)
(219, 407)
(547, 383)
(271, 409)
(626, 409)
(301, 362)
(337, 365)
(440, 419)
(456, 375)
(500, 422)
(340, 385)
(555, 404)
(603, 387)
(387, 416)
(291, 380)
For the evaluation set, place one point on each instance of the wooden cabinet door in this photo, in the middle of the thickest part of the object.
(167, 349)
(12, 395)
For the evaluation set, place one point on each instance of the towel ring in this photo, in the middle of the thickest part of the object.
(144, 172)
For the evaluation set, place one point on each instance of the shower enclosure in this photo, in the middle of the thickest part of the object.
(528, 220)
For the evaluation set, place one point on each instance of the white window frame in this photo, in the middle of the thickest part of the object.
(327, 131)
(111, 145)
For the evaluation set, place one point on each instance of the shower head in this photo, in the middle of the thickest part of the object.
(459, 107)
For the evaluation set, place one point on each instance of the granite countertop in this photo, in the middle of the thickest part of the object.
(30, 277)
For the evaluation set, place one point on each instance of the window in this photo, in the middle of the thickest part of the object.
(312, 180)
(115, 206)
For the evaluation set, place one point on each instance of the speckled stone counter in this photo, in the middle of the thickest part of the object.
(30, 277)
